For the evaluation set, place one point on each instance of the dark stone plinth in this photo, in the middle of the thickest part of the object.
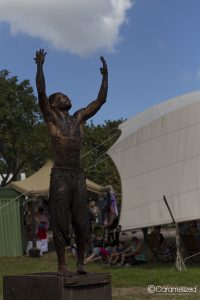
(52, 286)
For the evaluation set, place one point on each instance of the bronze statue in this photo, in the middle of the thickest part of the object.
(68, 201)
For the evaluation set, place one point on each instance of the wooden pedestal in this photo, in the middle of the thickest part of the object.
(52, 286)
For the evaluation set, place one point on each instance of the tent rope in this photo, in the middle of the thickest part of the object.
(7, 204)
(9, 209)
(104, 142)
(188, 257)
(180, 265)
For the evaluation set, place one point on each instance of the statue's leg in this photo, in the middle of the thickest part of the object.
(60, 216)
(60, 251)
(80, 222)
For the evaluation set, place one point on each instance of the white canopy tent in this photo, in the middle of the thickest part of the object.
(158, 153)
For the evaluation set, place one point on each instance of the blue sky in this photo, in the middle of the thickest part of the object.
(152, 48)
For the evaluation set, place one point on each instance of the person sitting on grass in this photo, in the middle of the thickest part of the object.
(99, 253)
(117, 252)
(98, 240)
(134, 254)
(168, 251)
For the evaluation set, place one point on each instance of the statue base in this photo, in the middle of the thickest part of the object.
(53, 286)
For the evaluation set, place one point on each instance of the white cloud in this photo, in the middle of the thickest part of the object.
(78, 26)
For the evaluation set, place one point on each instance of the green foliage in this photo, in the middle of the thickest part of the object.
(97, 164)
(39, 149)
(19, 126)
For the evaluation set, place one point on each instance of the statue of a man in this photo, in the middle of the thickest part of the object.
(68, 201)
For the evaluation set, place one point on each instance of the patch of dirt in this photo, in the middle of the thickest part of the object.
(129, 291)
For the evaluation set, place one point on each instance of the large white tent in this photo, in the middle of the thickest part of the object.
(158, 153)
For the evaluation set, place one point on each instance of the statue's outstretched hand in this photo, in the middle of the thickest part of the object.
(104, 69)
(40, 57)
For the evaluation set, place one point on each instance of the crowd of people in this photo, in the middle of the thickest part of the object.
(118, 253)
(105, 242)
(130, 251)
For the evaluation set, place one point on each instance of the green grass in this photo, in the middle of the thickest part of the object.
(127, 283)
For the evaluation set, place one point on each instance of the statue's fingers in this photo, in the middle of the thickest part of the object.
(102, 59)
(103, 62)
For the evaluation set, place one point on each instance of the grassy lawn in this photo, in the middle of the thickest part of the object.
(127, 283)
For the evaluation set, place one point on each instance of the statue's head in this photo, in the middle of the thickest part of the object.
(60, 101)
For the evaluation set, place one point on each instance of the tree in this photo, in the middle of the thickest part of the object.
(39, 149)
(97, 164)
(19, 126)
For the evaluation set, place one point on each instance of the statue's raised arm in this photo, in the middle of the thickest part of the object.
(104, 85)
(95, 105)
(40, 81)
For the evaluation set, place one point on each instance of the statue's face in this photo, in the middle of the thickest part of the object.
(63, 102)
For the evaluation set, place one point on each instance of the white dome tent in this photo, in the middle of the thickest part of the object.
(158, 153)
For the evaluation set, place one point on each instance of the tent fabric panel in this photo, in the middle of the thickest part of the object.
(156, 112)
(8, 193)
(161, 158)
(38, 183)
(157, 214)
(170, 181)
(10, 228)
(166, 124)
(141, 217)
(160, 152)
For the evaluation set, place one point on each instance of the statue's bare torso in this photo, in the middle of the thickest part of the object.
(67, 136)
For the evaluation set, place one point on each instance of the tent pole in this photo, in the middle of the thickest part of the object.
(179, 260)
(165, 200)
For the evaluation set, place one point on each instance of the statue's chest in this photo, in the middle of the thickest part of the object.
(70, 128)
(69, 133)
